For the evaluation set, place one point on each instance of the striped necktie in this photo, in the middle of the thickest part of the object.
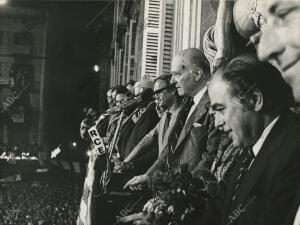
(166, 124)
(243, 170)
(173, 138)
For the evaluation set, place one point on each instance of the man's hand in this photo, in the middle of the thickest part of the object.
(137, 182)
(138, 219)
(118, 168)
(123, 167)
(154, 205)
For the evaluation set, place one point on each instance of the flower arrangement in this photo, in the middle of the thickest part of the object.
(181, 197)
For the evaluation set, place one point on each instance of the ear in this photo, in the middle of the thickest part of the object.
(198, 74)
(257, 100)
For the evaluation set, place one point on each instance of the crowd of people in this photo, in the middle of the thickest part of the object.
(216, 140)
(20, 148)
(32, 203)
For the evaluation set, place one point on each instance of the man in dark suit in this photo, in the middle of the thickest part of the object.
(166, 97)
(279, 42)
(255, 114)
(140, 122)
(194, 140)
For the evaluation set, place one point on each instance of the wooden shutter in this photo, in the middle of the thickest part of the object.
(151, 38)
(167, 45)
(131, 50)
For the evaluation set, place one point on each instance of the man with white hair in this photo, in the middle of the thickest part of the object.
(143, 119)
(194, 140)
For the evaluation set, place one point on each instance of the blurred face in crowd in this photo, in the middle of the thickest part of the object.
(113, 96)
(109, 97)
(231, 116)
(185, 79)
(120, 99)
(130, 88)
(280, 40)
(163, 95)
(137, 89)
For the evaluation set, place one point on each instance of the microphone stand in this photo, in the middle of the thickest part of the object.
(105, 178)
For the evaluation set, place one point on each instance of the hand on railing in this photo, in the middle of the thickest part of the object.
(137, 182)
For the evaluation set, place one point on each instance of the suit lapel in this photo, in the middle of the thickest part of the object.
(161, 130)
(197, 114)
(271, 144)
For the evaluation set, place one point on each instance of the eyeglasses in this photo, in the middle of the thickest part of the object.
(159, 92)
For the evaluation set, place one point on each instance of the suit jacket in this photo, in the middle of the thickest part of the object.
(197, 144)
(157, 137)
(142, 162)
(145, 123)
(268, 191)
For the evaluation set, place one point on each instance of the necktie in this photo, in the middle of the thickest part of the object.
(243, 170)
(173, 138)
(166, 125)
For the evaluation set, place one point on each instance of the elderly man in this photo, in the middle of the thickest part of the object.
(142, 120)
(194, 140)
(280, 44)
(256, 116)
(166, 97)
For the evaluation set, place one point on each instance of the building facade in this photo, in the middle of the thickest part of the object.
(147, 33)
(22, 70)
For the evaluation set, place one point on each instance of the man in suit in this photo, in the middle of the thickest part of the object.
(142, 120)
(154, 142)
(256, 116)
(279, 42)
(194, 140)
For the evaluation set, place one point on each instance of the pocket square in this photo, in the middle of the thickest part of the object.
(197, 125)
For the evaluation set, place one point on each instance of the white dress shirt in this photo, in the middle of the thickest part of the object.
(196, 99)
(297, 219)
(256, 148)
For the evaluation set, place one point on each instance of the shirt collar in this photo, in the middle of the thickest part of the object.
(199, 95)
(256, 148)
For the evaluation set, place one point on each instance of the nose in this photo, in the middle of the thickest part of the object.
(219, 122)
(173, 80)
(270, 45)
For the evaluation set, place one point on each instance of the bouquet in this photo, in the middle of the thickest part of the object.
(184, 196)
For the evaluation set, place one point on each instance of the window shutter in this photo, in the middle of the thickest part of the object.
(131, 50)
(151, 38)
(167, 45)
(125, 57)
(120, 66)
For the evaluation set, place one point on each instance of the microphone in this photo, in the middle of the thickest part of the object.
(145, 96)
